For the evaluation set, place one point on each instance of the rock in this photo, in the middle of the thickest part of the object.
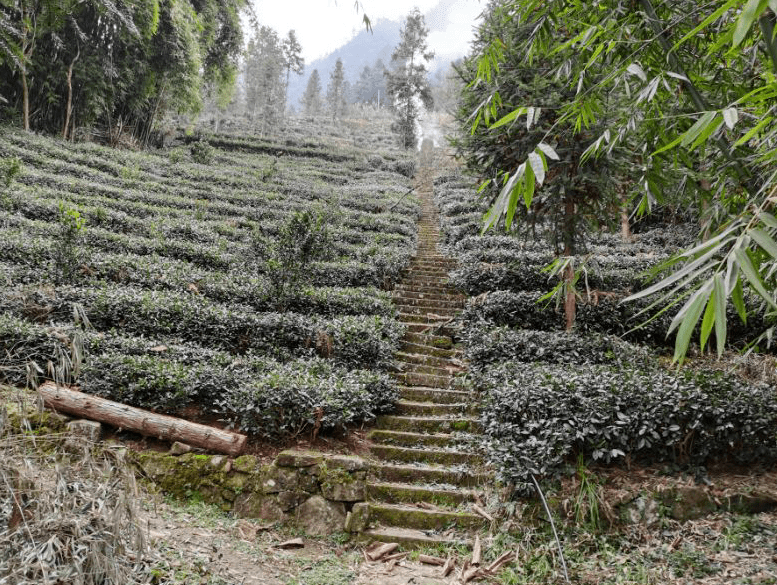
(280, 479)
(292, 458)
(308, 483)
(320, 517)
(346, 462)
(358, 518)
(179, 448)
(290, 500)
(217, 461)
(88, 430)
(251, 505)
(245, 463)
(687, 503)
(351, 491)
(643, 510)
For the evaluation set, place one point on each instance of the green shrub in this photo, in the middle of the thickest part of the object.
(202, 152)
(539, 417)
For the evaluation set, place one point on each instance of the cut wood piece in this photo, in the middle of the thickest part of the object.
(476, 551)
(382, 550)
(500, 562)
(482, 512)
(145, 422)
(394, 557)
(428, 560)
(470, 574)
(293, 543)
(449, 565)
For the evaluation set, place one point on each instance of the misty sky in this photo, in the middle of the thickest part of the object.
(324, 25)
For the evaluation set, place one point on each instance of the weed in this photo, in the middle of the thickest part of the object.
(130, 173)
(10, 168)
(176, 155)
(202, 152)
(691, 560)
(326, 571)
(586, 504)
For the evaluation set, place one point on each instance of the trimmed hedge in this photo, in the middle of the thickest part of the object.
(539, 417)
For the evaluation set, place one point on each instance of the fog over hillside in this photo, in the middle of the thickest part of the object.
(365, 48)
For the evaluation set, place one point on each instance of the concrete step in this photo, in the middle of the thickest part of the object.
(428, 424)
(430, 380)
(410, 538)
(439, 341)
(435, 312)
(458, 299)
(409, 439)
(425, 288)
(408, 346)
(423, 408)
(426, 456)
(402, 493)
(426, 360)
(415, 368)
(411, 517)
(422, 394)
(401, 299)
(417, 327)
(424, 317)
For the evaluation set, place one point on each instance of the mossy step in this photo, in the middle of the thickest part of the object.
(402, 300)
(435, 313)
(430, 297)
(428, 424)
(430, 380)
(436, 328)
(422, 394)
(411, 517)
(409, 538)
(389, 437)
(421, 280)
(425, 288)
(441, 341)
(416, 368)
(425, 318)
(426, 360)
(409, 346)
(419, 408)
(401, 493)
(428, 455)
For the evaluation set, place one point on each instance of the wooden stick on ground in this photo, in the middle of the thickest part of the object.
(142, 421)
(482, 512)
(476, 551)
(382, 550)
(426, 559)
(500, 562)
(449, 565)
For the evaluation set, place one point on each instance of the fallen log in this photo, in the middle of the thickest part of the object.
(145, 422)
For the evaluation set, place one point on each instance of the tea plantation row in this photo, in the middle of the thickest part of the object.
(600, 391)
(233, 276)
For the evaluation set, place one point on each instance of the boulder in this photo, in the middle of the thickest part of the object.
(320, 517)
(252, 505)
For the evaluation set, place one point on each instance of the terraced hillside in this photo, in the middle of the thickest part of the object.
(248, 286)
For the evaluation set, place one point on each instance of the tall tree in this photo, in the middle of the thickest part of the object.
(292, 56)
(311, 99)
(335, 91)
(407, 80)
(264, 74)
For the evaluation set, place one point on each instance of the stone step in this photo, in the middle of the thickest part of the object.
(421, 280)
(438, 341)
(402, 493)
(409, 346)
(411, 517)
(433, 318)
(389, 437)
(427, 456)
(434, 312)
(426, 360)
(460, 300)
(423, 288)
(410, 538)
(415, 271)
(413, 379)
(415, 368)
(421, 408)
(428, 424)
(417, 327)
(432, 305)
(421, 394)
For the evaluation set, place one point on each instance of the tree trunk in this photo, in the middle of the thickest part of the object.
(69, 106)
(569, 250)
(142, 421)
(625, 226)
(25, 102)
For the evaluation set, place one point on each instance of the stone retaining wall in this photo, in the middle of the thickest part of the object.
(320, 493)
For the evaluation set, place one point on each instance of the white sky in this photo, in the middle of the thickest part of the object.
(324, 25)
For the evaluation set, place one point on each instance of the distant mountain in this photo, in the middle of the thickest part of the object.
(363, 49)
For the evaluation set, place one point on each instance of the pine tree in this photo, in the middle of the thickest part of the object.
(264, 77)
(407, 83)
(311, 99)
(335, 90)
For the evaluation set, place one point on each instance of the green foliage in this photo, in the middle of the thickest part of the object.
(311, 99)
(538, 416)
(69, 252)
(335, 91)
(10, 168)
(201, 151)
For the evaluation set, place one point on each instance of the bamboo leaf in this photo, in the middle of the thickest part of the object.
(767, 217)
(548, 150)
(528, 191)
(764, 240)
(707, 21)
(738, 298)
(508, 118)
(749, 14)
(753, 131)
(752, 276)
(537, 166)
(699, 126)
(730, 117)
(635, 69)
(691, 310)
(707, 321)
(720, 313)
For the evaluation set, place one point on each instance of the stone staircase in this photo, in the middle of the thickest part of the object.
(425, 465)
